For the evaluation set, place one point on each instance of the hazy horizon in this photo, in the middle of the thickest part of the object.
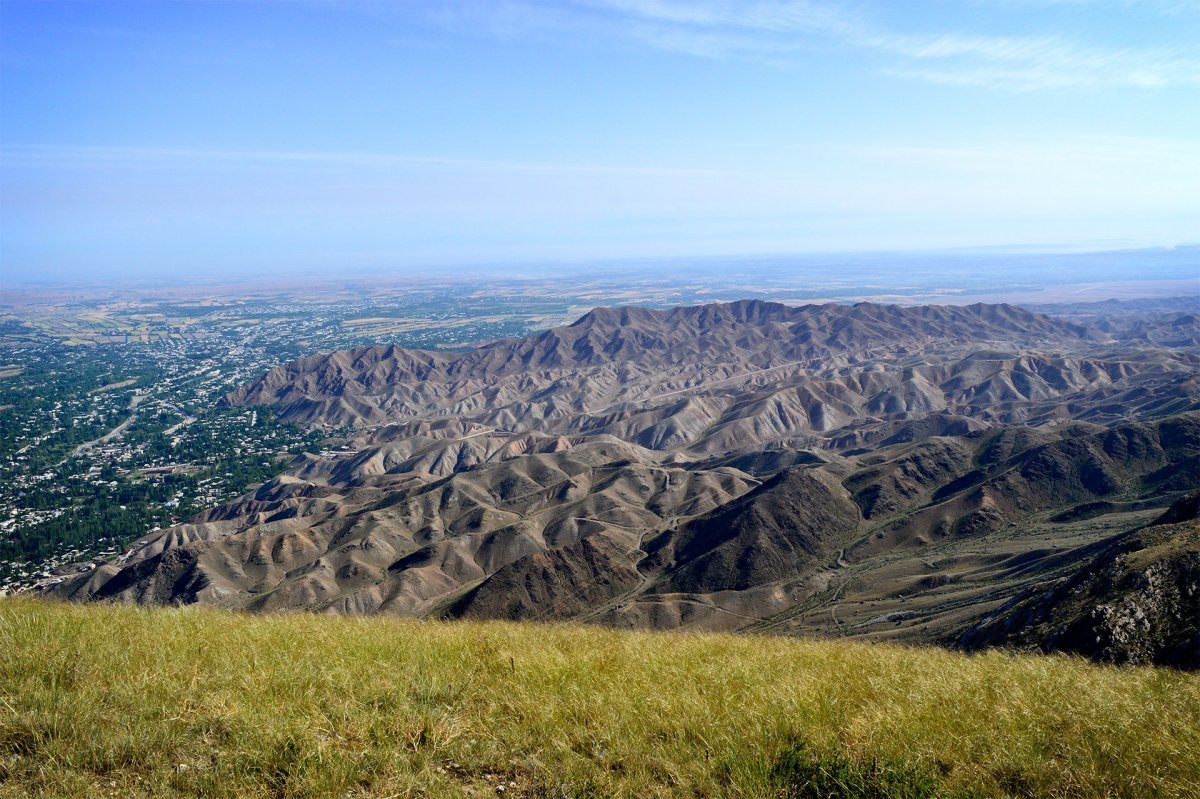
(1016, 275)
(221, 139)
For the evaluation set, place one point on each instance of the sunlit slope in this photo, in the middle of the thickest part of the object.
(103, 700)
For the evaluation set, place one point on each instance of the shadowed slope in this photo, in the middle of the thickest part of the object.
(720, 377)
(789, 524)
(863, 470)
(1135, 600)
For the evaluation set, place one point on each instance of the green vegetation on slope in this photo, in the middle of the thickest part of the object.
(107, 700)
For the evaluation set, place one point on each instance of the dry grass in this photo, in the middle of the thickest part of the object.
(124, 701)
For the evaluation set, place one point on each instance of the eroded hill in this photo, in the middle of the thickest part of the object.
(857, 470)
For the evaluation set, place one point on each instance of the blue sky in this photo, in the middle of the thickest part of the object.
(153, 138)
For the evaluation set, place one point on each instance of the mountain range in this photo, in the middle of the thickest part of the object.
(953, 474)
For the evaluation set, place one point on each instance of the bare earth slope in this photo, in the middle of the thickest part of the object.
(1137, 600)
(716, 378)
(859, 470)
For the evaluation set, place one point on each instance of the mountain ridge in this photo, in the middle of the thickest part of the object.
(825, 469)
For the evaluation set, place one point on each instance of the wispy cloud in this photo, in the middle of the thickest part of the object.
(774, 29)
(765, 29)
(780, 16)
(1133, 153)
(86, 155)
(1166, 7)
(1030, 63)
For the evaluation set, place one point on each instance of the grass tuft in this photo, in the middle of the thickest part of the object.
(801, 773)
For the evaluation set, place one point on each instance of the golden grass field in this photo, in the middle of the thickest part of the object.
(105, 700)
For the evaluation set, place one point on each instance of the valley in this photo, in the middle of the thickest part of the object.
(866, 470)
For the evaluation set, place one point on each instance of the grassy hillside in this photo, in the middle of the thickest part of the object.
(122, 701)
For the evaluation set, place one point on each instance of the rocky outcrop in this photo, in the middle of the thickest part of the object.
(1136, 600)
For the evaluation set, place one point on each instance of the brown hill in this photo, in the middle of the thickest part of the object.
(858, 470)
(749, 333)
(789, 524)
(715, 378)
(580, 533)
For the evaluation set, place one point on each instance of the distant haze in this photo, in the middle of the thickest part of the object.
(156, 140)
